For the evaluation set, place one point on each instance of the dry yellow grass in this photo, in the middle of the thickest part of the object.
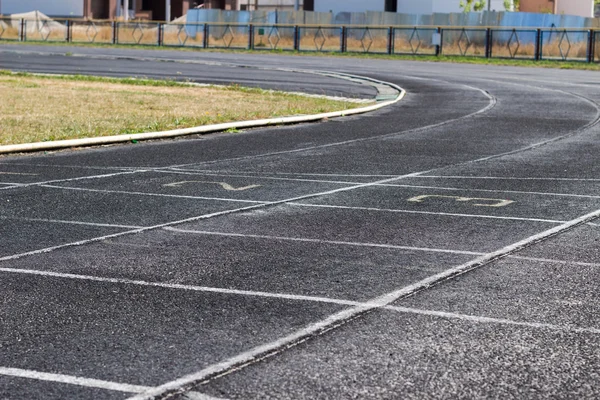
(97, 33)
(36, 109)
(10, 33)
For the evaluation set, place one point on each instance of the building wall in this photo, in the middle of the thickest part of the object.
(98, 9)
(144, 9)
(221, 4)
(538, 6)
(582, 8)
(337, 6)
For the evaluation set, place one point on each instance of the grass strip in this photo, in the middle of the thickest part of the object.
(37, 108)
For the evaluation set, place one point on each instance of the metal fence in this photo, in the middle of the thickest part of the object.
(513, 43)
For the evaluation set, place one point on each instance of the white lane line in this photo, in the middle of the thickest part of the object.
(79, 178)
(69, 166)
(510, 178)
(333, 175)
(224, 185)
(176, 286)
(489, 320)
(320, 241)
(593, 224)
(335, 320)
(294, 297)
(199, 396)
(595, 121)
(491, 104)
(554, 261)
(120, 234)
(176, 196)
(316, 181)
(255, 174)
(17, 173)
(60, 221)
(585, 196)
(204, 216)
(549, 221)
(238, 175)
(563, 83)
(10, 185)
(188, 172)
(73, 380)
(89, 383)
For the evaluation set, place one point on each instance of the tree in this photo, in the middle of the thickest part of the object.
(472, 5)
(514, 5)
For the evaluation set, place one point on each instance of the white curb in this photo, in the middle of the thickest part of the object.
(60, 144)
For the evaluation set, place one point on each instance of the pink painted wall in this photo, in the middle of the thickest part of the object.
(582, 8)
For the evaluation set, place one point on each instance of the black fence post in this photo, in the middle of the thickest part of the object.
(205, 36)
(160, 33)
(250, 37)
(391, 37)
(68, 33)
(591, 45)
(594, 42)
(439, 49)
(115, 30)
(488, 43)
(343, 37)
(538, 45)
(296, 38)
(23, 33)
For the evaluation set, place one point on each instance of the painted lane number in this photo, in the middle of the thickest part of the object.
(224, 185)
(481, 202)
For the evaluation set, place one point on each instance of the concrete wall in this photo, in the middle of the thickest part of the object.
(349, 5)
(49, 7)
(582, 8)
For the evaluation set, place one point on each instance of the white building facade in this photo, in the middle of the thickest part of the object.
(337, 6)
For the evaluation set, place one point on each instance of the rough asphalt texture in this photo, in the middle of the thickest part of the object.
(522, 326)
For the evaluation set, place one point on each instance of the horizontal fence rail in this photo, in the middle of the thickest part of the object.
(500, 42)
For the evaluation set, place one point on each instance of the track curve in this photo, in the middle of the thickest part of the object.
(446, 246)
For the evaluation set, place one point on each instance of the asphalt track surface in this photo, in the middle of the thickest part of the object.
(444, 247)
